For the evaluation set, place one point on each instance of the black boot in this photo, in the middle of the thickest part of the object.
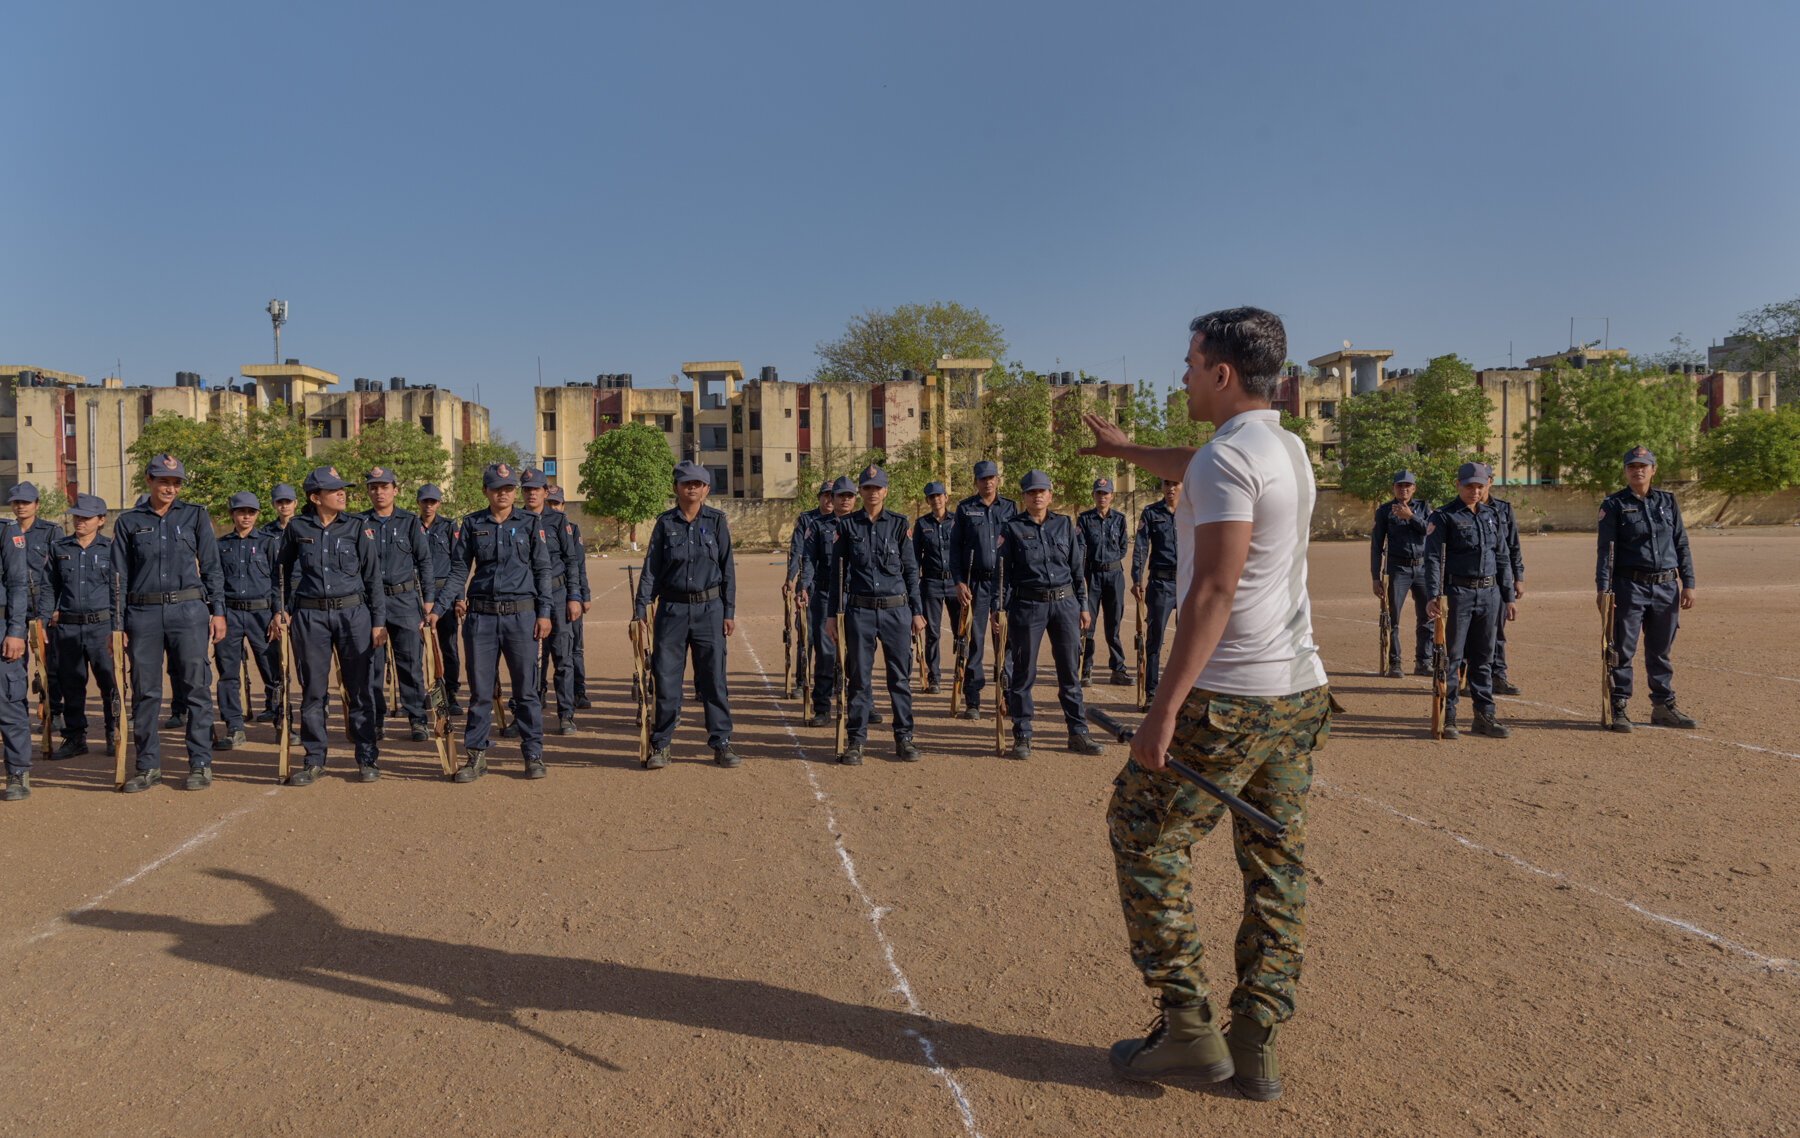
(71, 747)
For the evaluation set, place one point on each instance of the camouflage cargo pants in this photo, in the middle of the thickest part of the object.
(1261, 748)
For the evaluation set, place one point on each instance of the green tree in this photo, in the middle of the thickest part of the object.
(404, 448)
(878, 344)
(464, 494)
(909, 468)
(1751, 452)
(226, 455)
(1433, 425)
(1072, 474)
(1773, 335)
(1589, 417)
(628, 475)
(1019, 422)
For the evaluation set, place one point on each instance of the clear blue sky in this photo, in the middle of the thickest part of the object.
(448, 192)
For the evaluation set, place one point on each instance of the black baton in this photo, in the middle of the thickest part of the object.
(1238, 806)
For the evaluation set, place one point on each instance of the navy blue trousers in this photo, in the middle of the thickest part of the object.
(1106, 595)
(448, 647)
(863, 630)
(1160, 602)
(578, 657)
(487, 638)
(178, 631)
(825, 656)
(938, 596)
(1406, 581)
(681, 630)
(1656, 610)
(1469, 629)
(240, 626)
(313, 637)
(78, 648)
(1026, 624)
(404, 614)
(979, 635)
(15, 720)
(562, 638)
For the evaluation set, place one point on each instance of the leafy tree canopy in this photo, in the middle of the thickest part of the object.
(1773, 329)
(404, 448)
(1432, 425)
(463, 495)
(878, 344)
(1589, 417)
(226, 455)
(628, 474)
(1751, 452)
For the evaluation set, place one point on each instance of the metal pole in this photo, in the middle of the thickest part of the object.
(93, 406)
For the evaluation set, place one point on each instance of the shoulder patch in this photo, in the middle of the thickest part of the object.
(368, 533)
(1430, 528)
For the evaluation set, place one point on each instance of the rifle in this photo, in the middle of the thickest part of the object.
(285, 731)
(643, 680)
(1387, 625)
(116, 643)
(963, 619)
(788, 660)
(1138, 638)
(1440, 665)
(1000, 659)
(391, 688)
(337, 664)
(437, 701)
(41, 678)
(1237, 805)
(843, 696)
(918, 653)
(1607, 654)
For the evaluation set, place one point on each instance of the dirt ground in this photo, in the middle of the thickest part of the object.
(1568, 932)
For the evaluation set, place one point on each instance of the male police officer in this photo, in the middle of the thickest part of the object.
(247, 560)
(1400, 532)
(1644, 562)
(328, 575)
(1509, 530)
(283, 498)
(440, 532)
(798, 539)
(84, 594)
(565, 588)
(1044, 589)
(818, 600)
(974, 560)
(1102, 532)
(689, 571)
(1466, 565)
(872, 560)
(937, 584)
(406, 574)
(174, 605)
(1154, 558)
(800, 548)
(38, 536)
(15, 731)
(505, 610)
(584, 595)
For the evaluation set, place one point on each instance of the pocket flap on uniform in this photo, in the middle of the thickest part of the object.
(1228, 715)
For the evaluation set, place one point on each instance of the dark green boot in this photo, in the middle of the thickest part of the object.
(1252, 1047)
(18, 787)
(1184, 1044)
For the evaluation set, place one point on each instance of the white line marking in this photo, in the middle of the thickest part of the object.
(60, 922)
(873, 911)
(1772, 963)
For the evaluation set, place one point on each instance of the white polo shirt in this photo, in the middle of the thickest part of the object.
(1253, 471)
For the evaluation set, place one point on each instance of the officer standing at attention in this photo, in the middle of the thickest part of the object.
(174, 606)
(799, 549)
(583, 593)
(283, 498)
(15, 731)
(247, 561)
(872, 553)
(1154, 558)
(1400, 531)
(565, 589)
(1644, 562)
(689, 570)
(1509, 529)
(1044, 589)
(1102, 532)
(38, 536)
(974, 560)
(937, 584)
(505, 611)
(440, 532)
(406, 574)
(328, 575)
(1464, 541)
(84, 592)
(818, 600)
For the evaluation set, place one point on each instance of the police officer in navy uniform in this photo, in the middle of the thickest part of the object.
(689, 571)
(1467, 565)
(174, 606)
(1400, 533)
(407, 579)
(84, 595)
(973, 560)
(565, 589)
(932, 532)
(582, 594)
(282, 497)
(15, 728)
(505, 611)
(328, 584)
(1154, 555)
(1644, 562)
(1509, 529)
(247, 561)
(38, 536)
(1043, 585)
(818, 599)
(440, 532)
(875, 585)
(1103, 540)
(802, 532)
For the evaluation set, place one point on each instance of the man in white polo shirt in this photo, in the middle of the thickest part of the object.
(1243, 700)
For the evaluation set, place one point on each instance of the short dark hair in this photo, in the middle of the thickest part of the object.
(1251, 340)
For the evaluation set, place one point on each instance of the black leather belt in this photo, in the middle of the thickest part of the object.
(34, 590)
(82, 617)
(247, 606)
(439, 583)
(329, 604)
(559, 582)
(1474, 582)
(1035, 596)
(1405, 562)
(698, 598)
(402, 587)
(858, 601)
(1107, 567)
(502, 608)
(173, 598)
(1651, 577)
(1162, 574)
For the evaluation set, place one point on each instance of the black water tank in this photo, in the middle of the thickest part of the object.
(624, 379)
(1068, 377)
(292, 363)
(768, 374)
(397, 383)
(1578, 361)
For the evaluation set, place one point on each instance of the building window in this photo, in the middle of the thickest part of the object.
(805, 419)
(321, 428)
(756, 464)
(737, 420)
(668, 424)
(787, 412)
(1327, 410)
(28, 465)
(787, 456)
(877, 419)
(550, 421)
(925, 419)
(428, 424)
(756, 420)
(28, 420)
(909, 412)
(715, 438)
(69, 428)
(549, 468)
(718, 478)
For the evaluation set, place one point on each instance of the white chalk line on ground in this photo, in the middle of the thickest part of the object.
(1772, 963)
(874, 912)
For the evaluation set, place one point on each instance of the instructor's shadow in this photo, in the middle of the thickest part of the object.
(302, 942)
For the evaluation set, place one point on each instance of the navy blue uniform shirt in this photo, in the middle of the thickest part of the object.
(688, 557)
(336, 560)
(1645, 534)
(401, 548)
(1156, 539)
(84, 580)
(931, 546)
(1402, 539)
(37, 554)
(1041, 555)
(800, 541)
(16, 579)
(818, 572)
(975, 540)
(510, 559)
(1466, 541)
(878, 558)
(169, 552)
(439, 536)
(248, 564)
(565, 550)
(1509, 536)
(1103, 537)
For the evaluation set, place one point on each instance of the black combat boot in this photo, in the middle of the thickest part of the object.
(1620, 721)
(535, 768)
(1668, 715)
(726, 757)
(1491, 727)
(18, 787)
(231, 742)
(421, 731)
(852, 756)
(70, 748)
(905, 751)
(1504, 686)
(473, 767)
(199, 778)
(659, 758)
(1120, 678)
(1081, 743)
(1021, 749)
(368, 772)
(306, 775)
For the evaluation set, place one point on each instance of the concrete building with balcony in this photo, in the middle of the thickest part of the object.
(332, 416)
(567, 418)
